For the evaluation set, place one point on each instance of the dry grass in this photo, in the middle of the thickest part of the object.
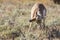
(14, 20)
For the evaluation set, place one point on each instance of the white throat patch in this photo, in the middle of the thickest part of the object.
(38, 13)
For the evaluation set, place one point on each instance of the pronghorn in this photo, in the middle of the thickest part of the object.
(38, 13)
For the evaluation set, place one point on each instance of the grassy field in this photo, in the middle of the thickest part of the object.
(14, 21)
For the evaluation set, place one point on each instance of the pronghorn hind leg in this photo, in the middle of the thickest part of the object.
(39, 24)
(43, 22)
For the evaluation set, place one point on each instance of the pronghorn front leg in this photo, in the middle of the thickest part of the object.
(30, 25)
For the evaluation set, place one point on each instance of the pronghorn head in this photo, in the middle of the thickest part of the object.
(31, 20)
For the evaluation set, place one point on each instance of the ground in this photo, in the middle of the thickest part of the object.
(14, 21)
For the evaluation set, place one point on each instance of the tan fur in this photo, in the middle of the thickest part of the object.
(34, 10)
(37, 9)
(33, 13)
